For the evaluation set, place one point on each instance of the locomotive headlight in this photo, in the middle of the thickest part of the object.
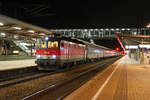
(38, 56)
(54, 56)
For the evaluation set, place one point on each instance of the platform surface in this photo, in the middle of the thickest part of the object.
(126, 79)
(8, 65)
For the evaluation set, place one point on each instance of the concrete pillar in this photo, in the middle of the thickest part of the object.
(141, 56)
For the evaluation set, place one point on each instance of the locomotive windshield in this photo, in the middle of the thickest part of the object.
(49, 44)
(52, 44)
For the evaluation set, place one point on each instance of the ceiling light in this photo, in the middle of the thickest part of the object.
(3, 34)
(42, 34)
(17, 28)
(128, 29)
(117, 29)
(112, 29)
(122, 29)
(1, 24)
(31, 31)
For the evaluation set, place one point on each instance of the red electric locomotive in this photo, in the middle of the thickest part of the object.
(58, 51)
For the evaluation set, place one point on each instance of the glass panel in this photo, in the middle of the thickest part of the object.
(43, 44)
(55, 44)
(52, 44)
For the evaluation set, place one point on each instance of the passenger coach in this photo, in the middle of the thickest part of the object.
(57, 52)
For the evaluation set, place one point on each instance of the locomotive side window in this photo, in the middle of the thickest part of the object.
(55, 44)
(62, 44)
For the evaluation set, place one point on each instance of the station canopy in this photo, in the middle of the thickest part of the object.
(12, 29)
(134, 41)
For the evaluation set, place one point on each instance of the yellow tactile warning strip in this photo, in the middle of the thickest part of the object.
(128, 82)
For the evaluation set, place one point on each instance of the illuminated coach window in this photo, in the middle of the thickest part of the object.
(52, 44)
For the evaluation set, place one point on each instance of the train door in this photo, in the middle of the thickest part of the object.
(64, 50)
(87, 52)
(69, 51)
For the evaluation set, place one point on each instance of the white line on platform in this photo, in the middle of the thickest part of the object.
(107, 80)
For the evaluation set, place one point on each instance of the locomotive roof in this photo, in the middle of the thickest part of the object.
(85, 42)
(67, 38)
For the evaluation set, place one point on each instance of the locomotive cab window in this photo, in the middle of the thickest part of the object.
(53, 44)
(48, 44)
(43, 44)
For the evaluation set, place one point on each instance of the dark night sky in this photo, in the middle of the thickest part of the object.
(80, 14)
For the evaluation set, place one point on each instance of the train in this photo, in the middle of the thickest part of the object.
(58, 52)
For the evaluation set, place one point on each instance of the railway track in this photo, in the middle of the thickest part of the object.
(16, 76)
(61, 89)
(5, 82)
(33, 73)
(37, 83)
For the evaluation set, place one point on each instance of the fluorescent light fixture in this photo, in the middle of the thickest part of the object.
(148, 26)
(106, 29)
(144, 46)
(85, 30)
(128, 29)
(117, 29)
(1, 24)
(31, 31)
(17, 28)
(42, 34)
(131, 46)
(16, 51)
(15, 36)
(96, 51)
(122, 29)
(112, 29)
(3, 34)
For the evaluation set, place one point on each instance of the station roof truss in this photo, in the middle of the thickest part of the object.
(12, 29)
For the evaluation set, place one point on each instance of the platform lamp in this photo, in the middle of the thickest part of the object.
(147, 27)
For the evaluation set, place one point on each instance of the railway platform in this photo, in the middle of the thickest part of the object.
(16, 64)
(126, 79)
